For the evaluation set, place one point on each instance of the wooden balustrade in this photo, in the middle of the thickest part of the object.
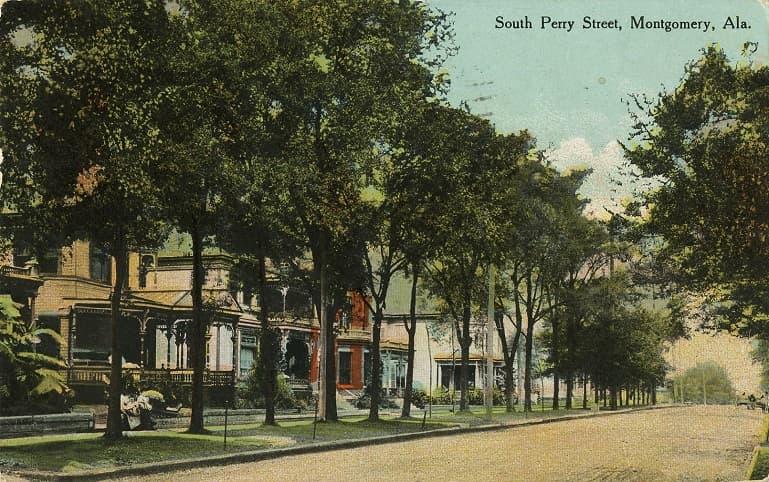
(100, 375)
(15, 270)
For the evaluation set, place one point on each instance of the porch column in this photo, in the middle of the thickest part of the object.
(234, 338)
(71, 340)
(180, 327)
(218, 342)
(169, 334)
(283, 350)
(208, 347)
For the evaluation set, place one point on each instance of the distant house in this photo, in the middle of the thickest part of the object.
(436, 350)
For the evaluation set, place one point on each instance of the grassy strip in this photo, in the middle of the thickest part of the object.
(759, 465)
(72, 453)
(350, 428)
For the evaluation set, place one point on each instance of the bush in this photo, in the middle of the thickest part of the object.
(30, 381)
(441, 396)
(419, 398)
(249, 393)
(364, 399)
(475, 396)
(284, 397)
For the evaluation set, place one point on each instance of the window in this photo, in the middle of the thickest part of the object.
(146, 264)
(345, 364)
(50, 262)
(100, 265)
(447, 372)
(246, 360)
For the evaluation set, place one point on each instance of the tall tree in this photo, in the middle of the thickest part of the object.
(705, 143)
(470, 205)
(581, 258)
(536, 249)
(360, 54)
(80, 100)
(257, 221)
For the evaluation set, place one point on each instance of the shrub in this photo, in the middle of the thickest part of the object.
(30, 381)
(284, 397)
(419, 398)
(364, 399)
(249, 393)
(441, 396)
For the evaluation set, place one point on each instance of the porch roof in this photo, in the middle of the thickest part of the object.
(177, 300)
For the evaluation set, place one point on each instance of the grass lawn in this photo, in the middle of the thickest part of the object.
(347, 428)
(71, 453)
(477, 415)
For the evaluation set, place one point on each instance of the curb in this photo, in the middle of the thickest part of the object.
(268, 454)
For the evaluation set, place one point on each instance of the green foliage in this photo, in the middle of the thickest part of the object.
(759, 465)
(706, 382)
(30, 382)
(419, 398)
(442, 396)
(705, 142)
(364, 399)
(251, 395)
(170, 392)
(477, 396)
(760, 353)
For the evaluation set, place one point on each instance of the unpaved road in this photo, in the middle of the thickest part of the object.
(684, 444)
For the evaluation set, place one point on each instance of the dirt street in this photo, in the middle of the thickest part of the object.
(684, 444)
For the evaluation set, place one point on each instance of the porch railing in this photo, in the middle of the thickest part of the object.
(100, 375)
(15, 271)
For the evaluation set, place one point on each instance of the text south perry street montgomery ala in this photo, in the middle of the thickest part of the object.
(640, 22)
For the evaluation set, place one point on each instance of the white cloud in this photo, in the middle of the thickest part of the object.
(608, 185)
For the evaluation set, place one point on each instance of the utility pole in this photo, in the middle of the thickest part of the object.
(489, 398)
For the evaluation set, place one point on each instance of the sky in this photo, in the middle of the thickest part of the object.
(569, 88)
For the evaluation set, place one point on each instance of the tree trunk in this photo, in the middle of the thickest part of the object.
(509, 354)
(268, 351)
(198, 348)
(375, 386)
(326, 340)
(556, 362)
(411, 331)
(114, 417)
(331, 413)
(568, 403)
(464, 343)
(584, 391)
(527, 370)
